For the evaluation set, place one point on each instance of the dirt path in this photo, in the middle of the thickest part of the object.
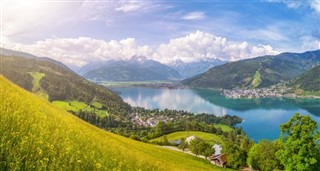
(187, 152)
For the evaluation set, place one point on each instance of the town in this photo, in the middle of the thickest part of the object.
(278, 90)
(147, 121)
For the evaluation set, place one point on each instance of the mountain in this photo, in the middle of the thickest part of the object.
(137, 68)
(310, 80)
(8, 52)
(55, 81)
(187, 70)
(257, 72)
(35, 135)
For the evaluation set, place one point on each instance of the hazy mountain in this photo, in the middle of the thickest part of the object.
(187, 70)
(257, 72)
(138, 68)
(8, 52)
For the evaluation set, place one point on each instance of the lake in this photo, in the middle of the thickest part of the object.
(262, 116)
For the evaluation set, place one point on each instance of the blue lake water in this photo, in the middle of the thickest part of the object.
(262, 117)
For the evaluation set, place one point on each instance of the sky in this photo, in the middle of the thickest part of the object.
(79, 32)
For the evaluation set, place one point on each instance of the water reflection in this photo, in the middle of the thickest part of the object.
(179, 99)
(262, 117)
(310, 105)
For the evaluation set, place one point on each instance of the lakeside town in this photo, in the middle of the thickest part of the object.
(279, 90)
(147, 121)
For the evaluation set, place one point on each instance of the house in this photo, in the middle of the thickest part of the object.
(219, 160)
(217, 149)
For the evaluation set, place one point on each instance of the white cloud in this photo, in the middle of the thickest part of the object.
(315, 5)
(194, 16)
(79, 51)
(310, 43)
(199, 45)
(192, 47)
(129, 7)
(295, 4)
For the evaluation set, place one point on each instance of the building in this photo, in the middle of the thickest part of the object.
(219, 160)
(217, 149)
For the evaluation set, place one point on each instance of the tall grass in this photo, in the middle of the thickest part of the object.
(35, 135)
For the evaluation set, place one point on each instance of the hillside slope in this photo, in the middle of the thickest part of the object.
(310, 80)
(35, 135)
(135, 69)
(58, 82)
(257, 72)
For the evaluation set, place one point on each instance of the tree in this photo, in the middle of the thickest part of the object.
(301, 149)
(194, 146)
(246, 144)
(206, 149)
(236, 156)
(262, 156)
(198, 146)
(183, 144)
(164, 139)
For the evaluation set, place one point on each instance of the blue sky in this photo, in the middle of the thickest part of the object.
(78, 32)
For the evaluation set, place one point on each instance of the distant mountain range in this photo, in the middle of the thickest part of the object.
(138, 68)
(257, 72)
(187, 70)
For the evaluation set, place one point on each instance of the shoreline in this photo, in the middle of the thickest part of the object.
(230, 94)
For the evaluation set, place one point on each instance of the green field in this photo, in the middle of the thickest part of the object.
(36, 135)
(97, 105)
(76, 106)
(207, 137)
(37, 76)
(224, 128)
(256, 80)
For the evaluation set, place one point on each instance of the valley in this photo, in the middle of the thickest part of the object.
(160, 85)
(166, 113)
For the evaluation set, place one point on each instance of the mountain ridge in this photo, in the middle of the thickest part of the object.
(190, 69)
(137, 68)
(272, 70)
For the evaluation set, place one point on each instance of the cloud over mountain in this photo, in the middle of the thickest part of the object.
(192, 47)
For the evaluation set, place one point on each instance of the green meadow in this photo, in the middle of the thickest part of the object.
(207, 137)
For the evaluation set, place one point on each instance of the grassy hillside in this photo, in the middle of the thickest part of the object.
(207, 137)
(36, 85)
(257, 72)
(53, 80)
(76, 106)
(309, 81)
(35, 135)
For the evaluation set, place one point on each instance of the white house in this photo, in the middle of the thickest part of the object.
(217, 149)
